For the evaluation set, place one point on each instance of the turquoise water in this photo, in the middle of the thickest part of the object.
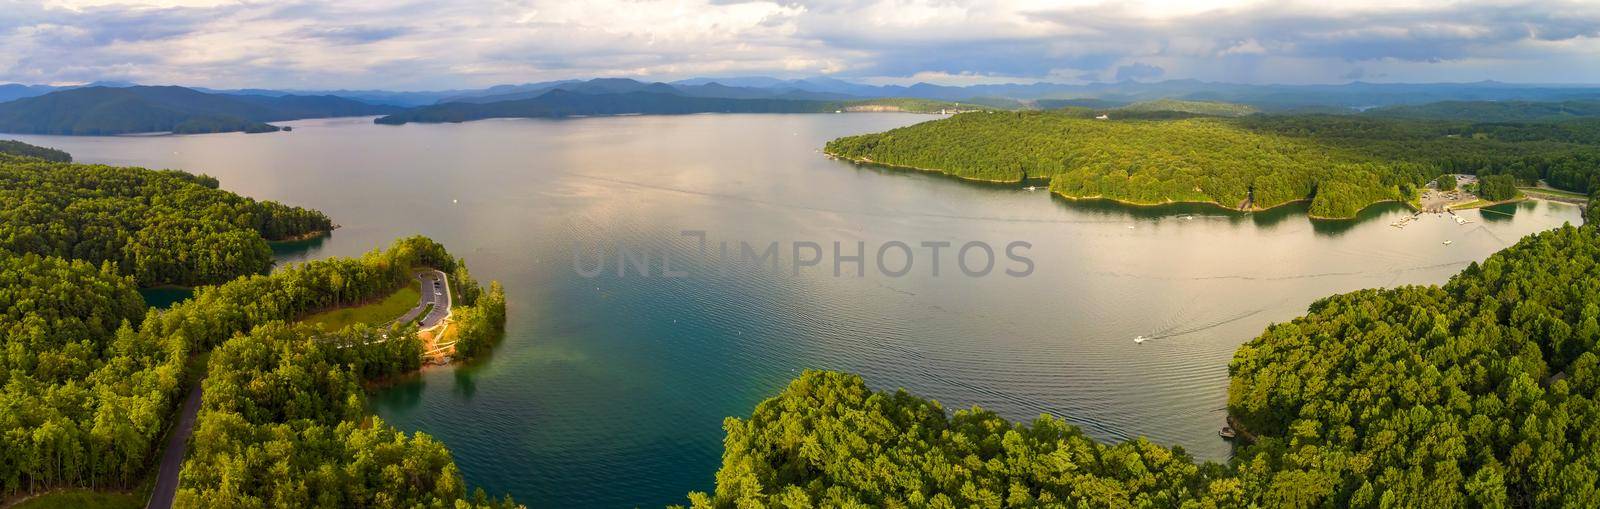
(610, 391)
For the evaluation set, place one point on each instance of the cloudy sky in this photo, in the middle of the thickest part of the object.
(440, 44)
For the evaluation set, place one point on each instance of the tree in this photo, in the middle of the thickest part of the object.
(161, 227)
(282, 424)
(1480, 392)
(1497, 187)
(1446, 182)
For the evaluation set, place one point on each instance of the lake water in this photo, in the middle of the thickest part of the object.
(610, 391)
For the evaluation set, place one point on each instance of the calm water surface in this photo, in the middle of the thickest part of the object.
(611, 391)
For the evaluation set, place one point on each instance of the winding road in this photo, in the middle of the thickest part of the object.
(435, 290)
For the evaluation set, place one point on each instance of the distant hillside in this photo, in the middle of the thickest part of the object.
(106, 110)
(1203, 160)
(563, 103)
(13, 91)
(18, 148)
(1493, 111)
(1217, 109)
(656, 99)
(291, 107)
(624, 85)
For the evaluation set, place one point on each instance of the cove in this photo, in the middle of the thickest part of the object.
(610, 391)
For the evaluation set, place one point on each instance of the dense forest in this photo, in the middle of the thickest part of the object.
(829, 441)
(1340, 163)
(1479, 393)
(1218, 109)
(161, 227)
(1591, 215)
(481, 321)
(85, 396)
(1140, 161)
(283, 424)
(1499, 187)
(1493, 111)
(18, 148)
(92, 377)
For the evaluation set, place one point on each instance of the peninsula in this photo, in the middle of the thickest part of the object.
(1142, 155)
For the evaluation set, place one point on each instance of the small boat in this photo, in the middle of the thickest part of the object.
(1226, 432)
(1447, 242)
(1139, 340)
(1032, 188)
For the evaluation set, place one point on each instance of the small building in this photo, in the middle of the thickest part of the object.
(1103, 117)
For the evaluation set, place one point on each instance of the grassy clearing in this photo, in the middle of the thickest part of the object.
(76, 499)
(1535, 191)
(1552, 191)
(423, 314)
(1481, 203)
(376, 313)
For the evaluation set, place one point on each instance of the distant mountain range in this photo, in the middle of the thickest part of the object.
(654, 100)
(1357, 95)
(566, 103)
(140, 109)
(116, 108)
(623, 85)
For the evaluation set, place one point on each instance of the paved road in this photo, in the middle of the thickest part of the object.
(437, 287)
(436, 291)
(177, 447)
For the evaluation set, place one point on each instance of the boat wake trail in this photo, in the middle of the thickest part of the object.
(1492, 235)
(1172, 332)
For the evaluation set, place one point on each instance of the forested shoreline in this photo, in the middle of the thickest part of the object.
(21, 149)
(91, 394)
(1484, 392)
(1339, 164)
(161, 227)
(92, 377)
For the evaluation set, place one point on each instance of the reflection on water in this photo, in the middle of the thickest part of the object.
(291, 251)
(611, 391)
(165, 296)
(1505, 211)
(401, 395)
(1115, 211)
(465, 385)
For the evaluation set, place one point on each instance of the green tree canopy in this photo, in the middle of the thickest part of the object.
(161, 227)
(1478, 393)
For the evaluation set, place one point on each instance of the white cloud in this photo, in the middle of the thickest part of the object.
(416, 44)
